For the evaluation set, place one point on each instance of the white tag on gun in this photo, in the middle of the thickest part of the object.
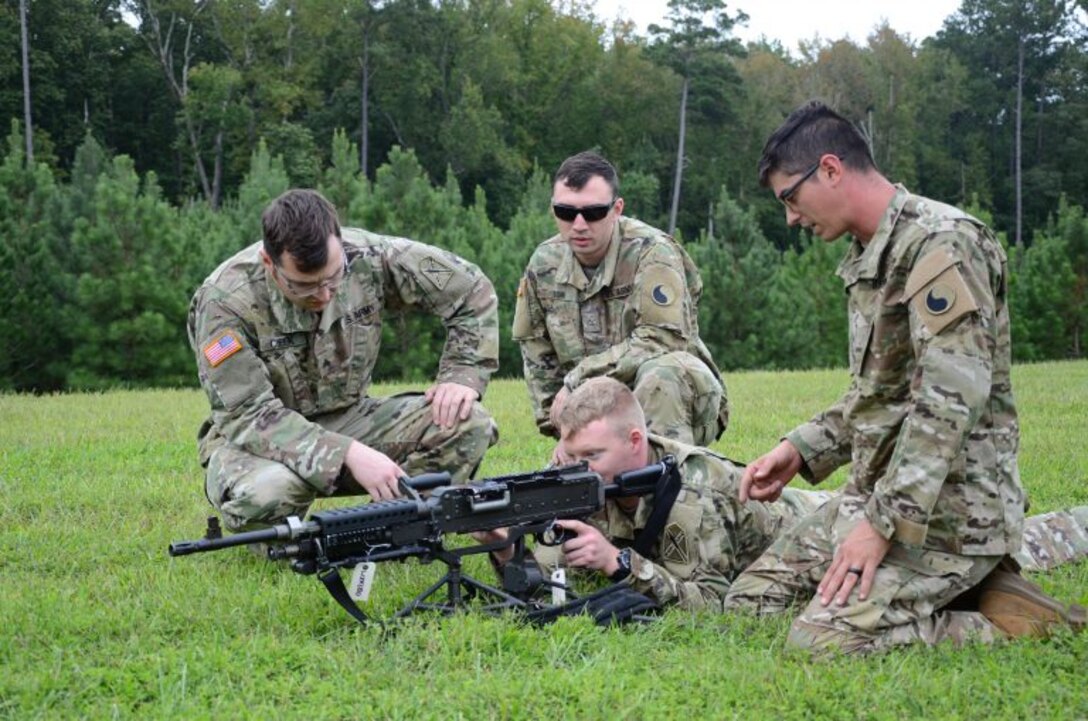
(559, 591)
(362, 579)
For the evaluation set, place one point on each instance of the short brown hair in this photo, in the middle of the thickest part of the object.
(601, 398)
(808, 133)
(577, 170)
(300, 222)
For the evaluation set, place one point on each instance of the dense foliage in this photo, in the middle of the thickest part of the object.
(161, 128)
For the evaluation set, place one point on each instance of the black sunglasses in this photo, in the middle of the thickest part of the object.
(592, 213)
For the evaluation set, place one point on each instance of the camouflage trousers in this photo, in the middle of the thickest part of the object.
(1052, 539)
(253, 492)
(682, 398)
(906, 604)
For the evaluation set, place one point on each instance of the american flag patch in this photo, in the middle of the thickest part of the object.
(222, 348)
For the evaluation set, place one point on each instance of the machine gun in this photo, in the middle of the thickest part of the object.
(525, 504)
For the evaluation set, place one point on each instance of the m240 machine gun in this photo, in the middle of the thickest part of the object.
(526, 504)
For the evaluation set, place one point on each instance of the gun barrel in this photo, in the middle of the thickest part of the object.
(292, 529)
(184, 548)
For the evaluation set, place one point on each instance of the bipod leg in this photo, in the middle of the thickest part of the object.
(420, 603)
(502, 599)
(460, 589)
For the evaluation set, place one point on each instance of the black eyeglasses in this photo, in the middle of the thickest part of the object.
(305, 289)
(592, 213)
(787, 193)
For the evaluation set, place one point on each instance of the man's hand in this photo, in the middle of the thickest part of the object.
(374, 471)
(856, 558)
(765, 477)
(502, 555)
(560, 457)
(450, 403)
(590, 549)
(557, 405)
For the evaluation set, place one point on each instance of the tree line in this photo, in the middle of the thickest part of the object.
(98, 270)
(160, 128)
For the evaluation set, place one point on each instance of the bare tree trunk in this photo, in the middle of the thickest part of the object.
(292, 10)
(194, 143)
(28, 125)
(679, 175)
(162, 47)
(870, 132)
(1017, 170)
(217, 178)
(364, 105)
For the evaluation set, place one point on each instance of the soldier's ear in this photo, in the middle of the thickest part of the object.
(618, 207)
(266, 261)
(831, 166)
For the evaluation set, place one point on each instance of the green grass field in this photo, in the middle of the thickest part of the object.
(96, 621)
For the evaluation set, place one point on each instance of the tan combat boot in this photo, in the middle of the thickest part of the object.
(1022, 609)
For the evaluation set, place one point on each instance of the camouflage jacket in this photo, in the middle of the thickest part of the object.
(708, 539)
(270, 368)
(928, 423)
(641, 302)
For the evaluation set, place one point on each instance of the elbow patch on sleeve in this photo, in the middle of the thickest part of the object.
(938, 292)
(663, 300)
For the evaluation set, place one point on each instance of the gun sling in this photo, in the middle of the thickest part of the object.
(665, 494)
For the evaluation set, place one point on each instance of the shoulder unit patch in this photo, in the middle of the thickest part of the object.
(436, 271)
(938, 291)
(675, 546)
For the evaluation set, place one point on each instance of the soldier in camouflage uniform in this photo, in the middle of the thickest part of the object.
(933, 501)
(286, 334)
(709, 537)
(610, 296)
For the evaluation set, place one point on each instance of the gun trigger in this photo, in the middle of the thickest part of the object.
(554, 535)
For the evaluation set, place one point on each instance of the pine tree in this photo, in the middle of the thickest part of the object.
(36, 286)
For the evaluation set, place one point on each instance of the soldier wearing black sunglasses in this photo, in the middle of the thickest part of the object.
(611, 296)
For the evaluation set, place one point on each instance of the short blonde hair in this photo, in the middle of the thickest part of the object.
(601, 398)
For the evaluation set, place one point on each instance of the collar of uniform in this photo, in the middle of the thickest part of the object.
(347, 297)
(289, 318)
(621, 524)
(292, 319)
(863, 261)
(339, 306)
(570, 270)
